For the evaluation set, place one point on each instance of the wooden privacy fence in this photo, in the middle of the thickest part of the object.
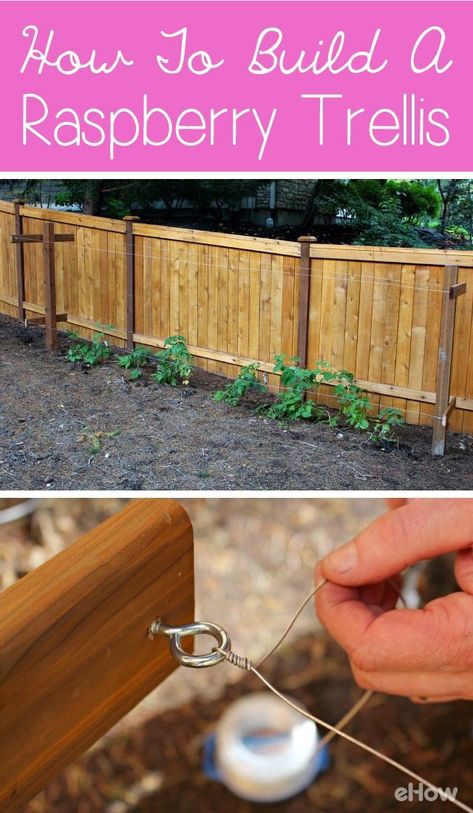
(74, 649)
(393, 317)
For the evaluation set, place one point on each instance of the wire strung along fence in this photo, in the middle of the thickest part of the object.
(400, 319)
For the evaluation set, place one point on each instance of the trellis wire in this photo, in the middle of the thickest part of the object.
(336, 730)
(208, 264)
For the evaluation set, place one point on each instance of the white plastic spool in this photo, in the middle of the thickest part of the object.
(265, 751)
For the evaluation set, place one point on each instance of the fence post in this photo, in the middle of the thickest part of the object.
(49, 272)
(444, 362)
(20, 260)
(74, 651)
(130, 280)
(304, 299)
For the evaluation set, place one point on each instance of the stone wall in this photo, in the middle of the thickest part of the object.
(290, 194)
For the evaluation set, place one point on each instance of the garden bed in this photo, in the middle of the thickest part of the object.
(63, 427)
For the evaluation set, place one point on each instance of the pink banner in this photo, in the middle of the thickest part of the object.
(233, 86)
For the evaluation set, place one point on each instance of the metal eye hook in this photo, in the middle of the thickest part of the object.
(176, 634)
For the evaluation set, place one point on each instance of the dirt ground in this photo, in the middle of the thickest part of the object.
(160, 437)
(152, 761)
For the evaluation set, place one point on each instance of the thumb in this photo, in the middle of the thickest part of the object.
(464, 570)
(422, 529)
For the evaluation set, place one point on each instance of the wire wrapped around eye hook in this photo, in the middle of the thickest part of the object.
(176, 634)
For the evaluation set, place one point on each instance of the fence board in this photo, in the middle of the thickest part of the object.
(372, 310)
(74, 651)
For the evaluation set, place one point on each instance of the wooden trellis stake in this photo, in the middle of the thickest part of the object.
(304, 299)
(130, 279)
(20, 260)
(48, 238)
(74, 649)
(443, 403)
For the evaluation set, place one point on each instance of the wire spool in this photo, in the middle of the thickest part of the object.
(265, 751)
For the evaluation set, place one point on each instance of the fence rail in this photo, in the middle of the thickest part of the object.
(378, 312)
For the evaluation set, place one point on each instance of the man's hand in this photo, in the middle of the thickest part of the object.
(424, 654)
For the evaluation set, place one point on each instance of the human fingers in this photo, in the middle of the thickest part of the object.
(421, 687)
(463, 569)
(419, 530)
(347, 612)
(437, 637)
(395, 502)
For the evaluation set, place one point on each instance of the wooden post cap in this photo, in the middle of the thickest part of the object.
(20, 201)
(307, 238)
(131, 218)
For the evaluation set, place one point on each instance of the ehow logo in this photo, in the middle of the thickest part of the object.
(423, 794)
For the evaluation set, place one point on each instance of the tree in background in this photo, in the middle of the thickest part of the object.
(456, 219)
(377, 211)
(119, 197)
(365, 211)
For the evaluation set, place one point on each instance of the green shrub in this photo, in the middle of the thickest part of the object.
(353, 405)
(290, 403)
(89, 353)
(237, 389)
(387, 420)
(173, 362)
(134, 362)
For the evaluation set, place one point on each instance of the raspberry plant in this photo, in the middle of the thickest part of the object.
(88, 353)
(387, 420)
(291, 403)
(173, 362)
(353, 403)
(238, 388)
(134, 362)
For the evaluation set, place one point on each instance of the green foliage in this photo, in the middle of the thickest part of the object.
(353, 404)
(457, 234)
(134, 362)
(237, 389)
(89, 353)
(95, 439)
(418, 200)
(290, 406)
(173, 362)
(116, 208)
(290, 403)
(118, 197)
(387, 420)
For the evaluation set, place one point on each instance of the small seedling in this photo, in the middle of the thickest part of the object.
(173, 362)
(387, 420)
(94, 439)
(89, 353)
(237, 389)
(134, 362)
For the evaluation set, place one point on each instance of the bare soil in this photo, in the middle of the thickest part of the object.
(151, 436)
